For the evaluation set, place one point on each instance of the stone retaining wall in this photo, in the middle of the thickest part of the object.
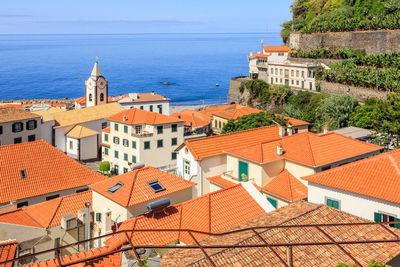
(360, 93)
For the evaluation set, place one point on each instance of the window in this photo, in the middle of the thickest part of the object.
(106, 137)
(280, 80)
(98, 217)
(160, 143)
(17, 127)
(159, 109)
(125, 142)
(292, 73)
(174, 128)
(133, 159)
(297, 73)
(133, 144)
(31, 138)
(103, 125)
(117, 186)
(243, 171)
(302, 73)
(311, 86)
(302, 84)
(332, 203)
(30, 125)
(116, 126)
(22, 204)
(219, 124)
(215, 124)
(159, 129)
(125, 170)
(141, 107)
(186, 167)
(174, 141)
(286, 72)
(125, 156)
(281, 54)
(138, 129)
(173, 156)
(90, 97)
(147, 145)
(101, 97)
(156, 186)
(276, 80)
(116, 169)
(116, 154)
(23, 174)
(116, 140)
(273, 202)
(296, 130)
(52, 197)
(125, 129)
(272, 71)
(292, 82)
(17, 140)
(272, 80)
(1, 129)
(151, 108)
(106, 151)
(381, 217)
(82, 190)
(297, 82)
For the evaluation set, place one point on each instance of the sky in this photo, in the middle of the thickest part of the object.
(144, 16)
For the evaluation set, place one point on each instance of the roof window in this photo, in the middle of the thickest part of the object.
(114, 188)
(156, 186)
(23, 174)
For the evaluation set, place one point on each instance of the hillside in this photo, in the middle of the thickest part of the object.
(311, 16)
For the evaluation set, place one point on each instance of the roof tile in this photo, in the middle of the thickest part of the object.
(139, 116)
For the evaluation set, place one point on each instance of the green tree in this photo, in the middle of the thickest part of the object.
(253, 121)
(362, 116)
(335, 111)
(104, 166)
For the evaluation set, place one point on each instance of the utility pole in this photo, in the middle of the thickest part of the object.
(87, 222)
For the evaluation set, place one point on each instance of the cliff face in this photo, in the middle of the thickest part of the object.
(373, 42)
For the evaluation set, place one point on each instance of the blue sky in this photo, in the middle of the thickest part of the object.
(145, 16)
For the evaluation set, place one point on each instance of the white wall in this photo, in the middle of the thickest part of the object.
(47, 131)
(356, 204)
(72, 152)
(146, 106)
(88, 147)
(209, 167)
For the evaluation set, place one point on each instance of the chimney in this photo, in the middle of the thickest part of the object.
(281, 130)
(290, 130)
(124, 118)
(251, 53)
(152, 92)
(279, 149)
(326, 129)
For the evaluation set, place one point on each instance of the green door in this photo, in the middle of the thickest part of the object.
(377, 217)
(243, 171)
(273, 202)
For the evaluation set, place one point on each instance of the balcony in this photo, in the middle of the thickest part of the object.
(262, 64)
(142, 134)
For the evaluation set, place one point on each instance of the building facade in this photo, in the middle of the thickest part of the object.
(146, 101)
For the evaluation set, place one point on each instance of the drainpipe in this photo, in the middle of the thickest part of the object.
(87, 222)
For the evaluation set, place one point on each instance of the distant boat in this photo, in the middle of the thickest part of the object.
(166, 83)
(217, 85)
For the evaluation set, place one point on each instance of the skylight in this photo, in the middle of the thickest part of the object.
(23, 174)
(114, 188)
(156, 186)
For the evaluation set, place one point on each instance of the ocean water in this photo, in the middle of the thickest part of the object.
(52, 66)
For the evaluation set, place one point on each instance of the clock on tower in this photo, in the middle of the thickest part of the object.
(96, 88)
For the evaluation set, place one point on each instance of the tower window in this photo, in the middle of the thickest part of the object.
(101, 97)
(90, 97)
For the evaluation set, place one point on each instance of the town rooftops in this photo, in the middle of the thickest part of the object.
(78, 132)
(192, 118)
(140, 97)
(37, 168)
(377, 177)
(47, 115)
(139, 116)
(47, 214)
(285, 186)
(134, 187)
(306, 148)
(8, 114)
(221, 181)
(298, 213)
(77, 116)
(30, 105)
(259, 55)
(279, 48)
(8, 249)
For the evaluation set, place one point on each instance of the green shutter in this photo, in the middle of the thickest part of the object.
(377, 217)
(125, 156)
(397, 225)
(133, 144)
(98, 217)
(133, 159)
(106, 137)
(332, 203)
(243, 171)
(125, 129)
(273, 202)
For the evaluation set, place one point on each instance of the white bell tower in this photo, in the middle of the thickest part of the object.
(96, 88)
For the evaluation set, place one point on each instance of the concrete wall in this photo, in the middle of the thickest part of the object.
(100, 202)
(7, 137)
(72, 147)
(374, 42)
(356, 204)
(146, 106)
(360, 93)
(47, 131)
(87, 146)
(209, 167)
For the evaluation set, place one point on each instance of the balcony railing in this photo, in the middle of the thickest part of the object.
(142, 134)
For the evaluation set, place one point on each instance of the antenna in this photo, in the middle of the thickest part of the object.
(97, 58)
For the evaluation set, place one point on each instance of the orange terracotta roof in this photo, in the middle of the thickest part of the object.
(7, 251)
(259, 55)
(307, 148)
(106, 130)
(192, 118)
(82, 100)
(280, 48)
(16, 105)
(221, 181)
(47, 214)
(286, 187)
(141, 97)
(15, 114)
(139, 116)
(47, 170)
(135, 187)
(236, 112)
(79, 131)
(377, 177)
(210, 146)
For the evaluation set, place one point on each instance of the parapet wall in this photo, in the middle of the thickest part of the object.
(374, 42)
(360, 93)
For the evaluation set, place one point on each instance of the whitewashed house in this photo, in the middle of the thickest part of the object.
(147, 101)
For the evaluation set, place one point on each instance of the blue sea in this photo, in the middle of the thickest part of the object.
(52, 66)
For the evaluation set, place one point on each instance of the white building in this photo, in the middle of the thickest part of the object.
(368, 188)
(80, 143)
(137, 135)
(146, 101)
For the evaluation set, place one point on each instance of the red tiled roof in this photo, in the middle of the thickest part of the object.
(107, 130)
(307, 148)
(215, 145)
(377, 177)
(47, 170)
(221, 181)
(259, 55)
(7, 251)
(138, 116)
(286, 187)
(297, 213)
(141, 97)
(15, 114)
(192, 118)
(82, 100)
(135, 187)
(47, 214)
(280, 48)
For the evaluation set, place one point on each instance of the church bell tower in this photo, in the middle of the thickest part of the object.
(96, 88)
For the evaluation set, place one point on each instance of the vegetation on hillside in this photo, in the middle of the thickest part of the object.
(342, 15)
(327, 53)
(254, 120)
